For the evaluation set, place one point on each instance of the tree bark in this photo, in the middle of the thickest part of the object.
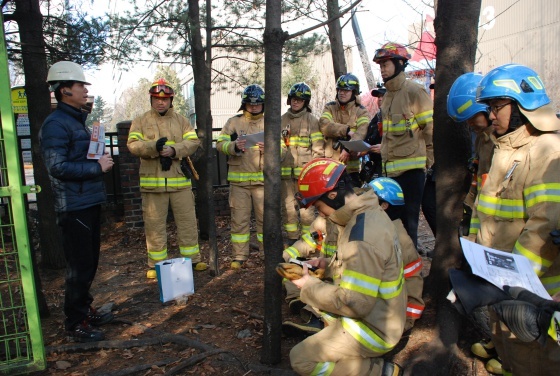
(202, 68)
(274, 39)
(30, 22)
(335, 37)
(456, 39)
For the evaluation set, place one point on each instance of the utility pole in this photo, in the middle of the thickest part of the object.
(363, 53)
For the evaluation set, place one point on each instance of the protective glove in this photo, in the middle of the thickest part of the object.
(160, 143)
(294, 271)
(522, 318)
(165, 163)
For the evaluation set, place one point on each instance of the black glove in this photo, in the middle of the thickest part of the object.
(165, 163)
(160, 143)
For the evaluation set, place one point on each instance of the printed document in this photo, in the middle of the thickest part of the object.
(97, 142)
(357, 145)
(502, 268)
(253, 138)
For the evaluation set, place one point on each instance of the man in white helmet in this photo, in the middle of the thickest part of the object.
(78, 188)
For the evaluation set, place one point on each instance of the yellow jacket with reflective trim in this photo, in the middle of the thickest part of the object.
(306, 142)
(407, 127)
(518, 206)
(308, 247)
(145, 130)
(245, 168)
(368, 292)
(334, 123)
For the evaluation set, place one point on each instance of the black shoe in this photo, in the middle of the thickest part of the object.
(84, 332)
(294, 329)
(96, 318)
(391, 369)
(296, 305)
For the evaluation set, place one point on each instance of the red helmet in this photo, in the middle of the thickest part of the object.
(391, 50)
(161, 89)
(317, 178)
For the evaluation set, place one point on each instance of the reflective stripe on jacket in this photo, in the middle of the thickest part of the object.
(367, 292)
(519, 203)
(334, 123)
(305, 142)
(145, 130)
(407, 127)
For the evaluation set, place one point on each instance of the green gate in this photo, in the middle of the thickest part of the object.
(21, 339)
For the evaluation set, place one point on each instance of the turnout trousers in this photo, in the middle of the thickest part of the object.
(243, 199)
(81, 231)
(155, 207)
(296, 220)
(524, 358)
(333, 351)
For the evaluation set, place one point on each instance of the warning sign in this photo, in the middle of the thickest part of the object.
(19, 100)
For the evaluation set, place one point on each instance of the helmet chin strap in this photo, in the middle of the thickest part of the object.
(343, 187)
(398, 69)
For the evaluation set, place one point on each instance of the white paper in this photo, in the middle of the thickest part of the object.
(252, 139)
(356, 145)
(502, 268)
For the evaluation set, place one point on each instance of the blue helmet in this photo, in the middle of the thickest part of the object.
(348, 82)
(461, 101)
(516, 82)
(388, 190)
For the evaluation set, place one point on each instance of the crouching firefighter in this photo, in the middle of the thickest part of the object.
(365, 306)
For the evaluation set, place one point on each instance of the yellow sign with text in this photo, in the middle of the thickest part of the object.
(19, 100)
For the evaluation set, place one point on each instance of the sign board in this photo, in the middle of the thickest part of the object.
(19, 100)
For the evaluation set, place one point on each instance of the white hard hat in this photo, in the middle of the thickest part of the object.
(66, 71)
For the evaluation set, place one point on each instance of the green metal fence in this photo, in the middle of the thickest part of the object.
(21, 340)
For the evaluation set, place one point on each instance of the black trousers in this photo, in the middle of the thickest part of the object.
(81, 231)
(429, 202)
(412, 184)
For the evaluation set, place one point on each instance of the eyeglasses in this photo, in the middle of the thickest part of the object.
(496, 109)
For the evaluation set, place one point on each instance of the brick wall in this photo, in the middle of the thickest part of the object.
(130, 181)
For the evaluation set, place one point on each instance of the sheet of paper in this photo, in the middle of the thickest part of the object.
(252, 139)
(97, 143)
(357, 145)
(502, 268)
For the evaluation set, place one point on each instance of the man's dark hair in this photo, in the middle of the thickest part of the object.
(62, 85)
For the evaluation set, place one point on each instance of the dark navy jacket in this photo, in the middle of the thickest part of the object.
(77, 182)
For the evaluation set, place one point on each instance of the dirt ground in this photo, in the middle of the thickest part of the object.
(217, 331)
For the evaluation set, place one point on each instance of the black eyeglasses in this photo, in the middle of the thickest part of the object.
(496, 109)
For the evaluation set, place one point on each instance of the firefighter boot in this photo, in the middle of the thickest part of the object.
(391, 369)
(494, 366)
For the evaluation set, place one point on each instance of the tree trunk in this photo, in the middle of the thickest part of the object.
(30, 22)
(335, 37)
(456, 39)
(274, 39)
(202, 68)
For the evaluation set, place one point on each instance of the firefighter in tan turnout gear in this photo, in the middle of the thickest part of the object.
(365, 306)
(345, 119)
(162, 138)
(304, 141)
(245, 172)
(406, 148)
(519, 204)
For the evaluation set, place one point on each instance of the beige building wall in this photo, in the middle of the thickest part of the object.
(525, 32)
